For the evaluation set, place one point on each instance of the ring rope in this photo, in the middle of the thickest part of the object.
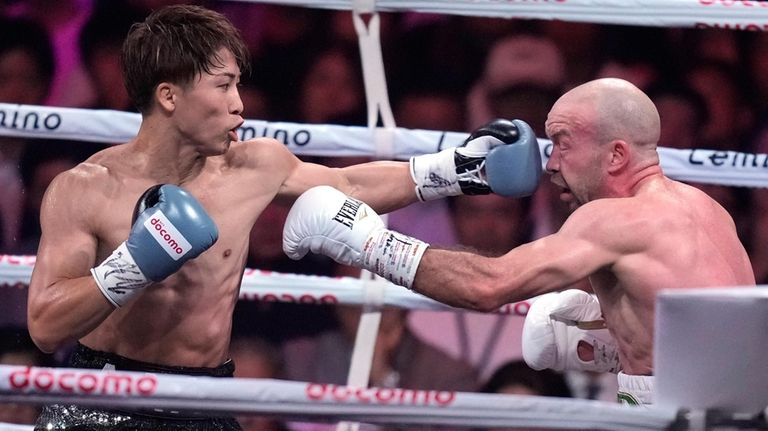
(314, 400)
(269, 286)
(730, 14)
(306, 399)
(729, 168)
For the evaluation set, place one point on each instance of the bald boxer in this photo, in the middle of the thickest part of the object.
(632, 232)
(143, 246)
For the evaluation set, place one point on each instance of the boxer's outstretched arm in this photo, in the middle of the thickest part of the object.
(326, 221)
(554, 262)
(501, 156)
(387, 185)
(64, 301)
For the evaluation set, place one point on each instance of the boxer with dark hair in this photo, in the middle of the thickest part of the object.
(151, 285)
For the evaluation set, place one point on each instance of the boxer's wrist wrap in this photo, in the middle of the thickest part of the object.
(435, 175)
(393, 256)
(119, 278)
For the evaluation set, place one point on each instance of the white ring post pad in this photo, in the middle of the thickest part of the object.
(710, 349)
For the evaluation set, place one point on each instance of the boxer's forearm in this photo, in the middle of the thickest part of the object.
(460, 279)
(65, 311)
(385, 185)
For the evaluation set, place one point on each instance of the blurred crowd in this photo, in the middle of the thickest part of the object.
(443, 72)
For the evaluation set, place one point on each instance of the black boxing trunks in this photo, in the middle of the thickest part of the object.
(77, 418)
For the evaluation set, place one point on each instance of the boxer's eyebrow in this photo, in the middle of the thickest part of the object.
(230, 75)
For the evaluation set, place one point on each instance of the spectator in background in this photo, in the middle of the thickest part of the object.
(756, 65)
(289, 37)
(644, 64)
(26, 62)
(63, 21)
(256, 103)
(256, 358)
(17, 348)
(100, 45)
(578, 42)
(517, 378)
(731, 117)
(331, 90)
(491, 225)
(714, 44)
(525, 62)
(426, 49)
(430, 109)
(683, 114)
(401, 359)
(26, 72)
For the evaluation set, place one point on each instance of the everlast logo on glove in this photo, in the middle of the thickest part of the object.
(166, 234)
(347, 213)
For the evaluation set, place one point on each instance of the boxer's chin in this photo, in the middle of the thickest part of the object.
(567, 196)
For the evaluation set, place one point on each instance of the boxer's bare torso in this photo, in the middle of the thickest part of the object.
(633, 231)
(186, 318)
(667, 236)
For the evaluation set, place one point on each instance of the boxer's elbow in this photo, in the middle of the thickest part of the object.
(43, 341)
(493, 290)
(485, 297)
(43, 334)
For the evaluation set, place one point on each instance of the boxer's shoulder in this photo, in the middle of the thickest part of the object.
(260, 153)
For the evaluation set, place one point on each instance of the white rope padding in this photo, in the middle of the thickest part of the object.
(268, 286)
(314, 400)
(729, 168)
(15, 427)
(730, 14)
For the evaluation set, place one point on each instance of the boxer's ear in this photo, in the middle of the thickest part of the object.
(165, 95)
(618, 156)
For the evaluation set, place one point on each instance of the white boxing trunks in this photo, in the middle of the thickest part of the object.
(635, 390)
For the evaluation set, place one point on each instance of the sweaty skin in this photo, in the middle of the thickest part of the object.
(633, 231)
(188, 139)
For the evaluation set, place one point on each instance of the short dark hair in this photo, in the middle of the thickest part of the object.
(176, 44)
(545, 382)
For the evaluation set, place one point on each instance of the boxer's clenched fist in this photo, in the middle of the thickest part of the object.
(326, 221)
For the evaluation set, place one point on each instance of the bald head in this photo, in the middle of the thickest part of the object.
(621, 111)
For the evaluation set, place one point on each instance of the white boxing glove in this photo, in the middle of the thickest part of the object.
(326, 221)
(553, 329)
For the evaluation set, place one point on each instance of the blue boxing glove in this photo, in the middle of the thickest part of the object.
(465, 169)
(515, 170)
(170, 227)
